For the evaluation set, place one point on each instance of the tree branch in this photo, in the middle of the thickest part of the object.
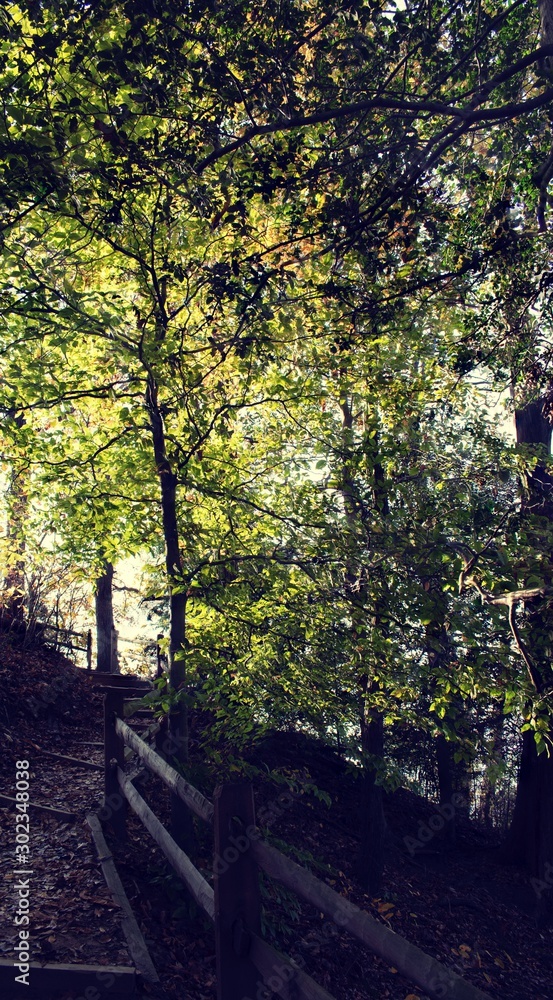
(469, 115)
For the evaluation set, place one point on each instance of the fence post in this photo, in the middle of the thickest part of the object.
(160, 738)
(236, 886)
(115, 804)
(89, 650)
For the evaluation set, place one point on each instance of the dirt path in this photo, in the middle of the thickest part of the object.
(72, 916)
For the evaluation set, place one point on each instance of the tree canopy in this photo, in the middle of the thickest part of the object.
(271, 278)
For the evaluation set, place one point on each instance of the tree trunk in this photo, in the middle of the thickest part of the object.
(529, 842)
(530, 838)
(487, 814)
(370, 859)
(438, 656)
(546, 24)
(106, 649)
(177, 745)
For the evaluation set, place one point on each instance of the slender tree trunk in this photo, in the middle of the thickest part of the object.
(439, 655)
(177, 747)
(530, 838)
(370, 860)
(488, 787)
(106, 649)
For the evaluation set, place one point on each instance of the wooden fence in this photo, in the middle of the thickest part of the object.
(66, 638)
(55, 636)
(245, 962)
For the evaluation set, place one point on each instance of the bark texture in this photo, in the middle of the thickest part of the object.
(106, 647)
(546, 21)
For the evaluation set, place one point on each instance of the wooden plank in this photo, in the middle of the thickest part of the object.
(236, 886)
(59, 630)
(53, 980)
(88, 765)
(196, 883)
(61, 814)
(133, 935)
(433, 978)
(194, 799)
(282, 975)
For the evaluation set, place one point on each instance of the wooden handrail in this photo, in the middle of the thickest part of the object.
(283, 973)
(194, 799)
(200, 889)
(272, 964)
(137, 946)
(435, 979)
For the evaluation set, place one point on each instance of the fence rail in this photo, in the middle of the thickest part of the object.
(66, 638)
(194, 799)
(49, 634)
(196, 883)
(245, 962)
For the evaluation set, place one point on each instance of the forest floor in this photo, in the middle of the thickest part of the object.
(460, 904)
